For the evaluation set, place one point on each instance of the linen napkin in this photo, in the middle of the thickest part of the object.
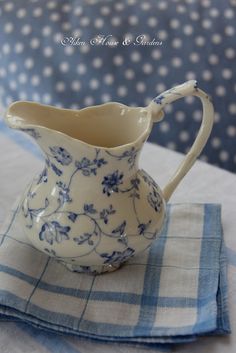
(172, 293)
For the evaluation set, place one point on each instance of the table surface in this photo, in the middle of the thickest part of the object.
(204, 183)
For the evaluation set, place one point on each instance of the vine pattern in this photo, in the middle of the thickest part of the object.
(129, 155)
(52, 232)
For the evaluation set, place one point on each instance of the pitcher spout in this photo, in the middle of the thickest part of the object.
(20, 116)
(15, 115)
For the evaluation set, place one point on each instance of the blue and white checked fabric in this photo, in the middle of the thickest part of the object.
(172, 293)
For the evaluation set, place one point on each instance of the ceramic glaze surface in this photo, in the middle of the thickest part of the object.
(91, 207)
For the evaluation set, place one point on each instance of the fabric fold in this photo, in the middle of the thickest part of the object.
(172, 293)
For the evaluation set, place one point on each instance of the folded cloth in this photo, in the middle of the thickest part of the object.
(172, 293)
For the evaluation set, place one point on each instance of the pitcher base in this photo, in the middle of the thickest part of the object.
(93, 270)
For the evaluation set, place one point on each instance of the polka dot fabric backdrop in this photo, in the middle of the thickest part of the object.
(198, 41)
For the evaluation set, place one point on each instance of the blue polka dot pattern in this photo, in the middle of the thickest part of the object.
(198, 41)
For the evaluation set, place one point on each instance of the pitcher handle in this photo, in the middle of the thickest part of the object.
(188, 88)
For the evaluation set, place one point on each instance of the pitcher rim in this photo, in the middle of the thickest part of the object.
(141, 138)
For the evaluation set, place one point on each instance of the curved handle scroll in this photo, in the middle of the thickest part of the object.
(188, 88)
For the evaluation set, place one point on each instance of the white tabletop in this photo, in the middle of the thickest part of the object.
(204, 184)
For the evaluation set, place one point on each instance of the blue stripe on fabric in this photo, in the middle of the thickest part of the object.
(21, 275)
(129, 298)
(212, 223)
(11, 304)
(51, 341)
(125, 333)
(223, 324)
(209, 256)
(21, 139)
(15, 307)
(68, 324)
(151, 283)
(55, 321)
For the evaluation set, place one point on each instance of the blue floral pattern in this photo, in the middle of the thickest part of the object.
(129, 155)
(56, 170)
(106, 212)
(54, 232)
(30, 212)
(43, 177)
(159, 99)
(88, 167)
(61, 155)
(120, 229)
(72, 216)
(84, 238)
(117, 257)
(63, 193)
(111, 182)
(32, 132)
(155, 200)
(142, 227)
(88, 208)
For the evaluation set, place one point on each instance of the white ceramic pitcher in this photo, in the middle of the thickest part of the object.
(91, 207)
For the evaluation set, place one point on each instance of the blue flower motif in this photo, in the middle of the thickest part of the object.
(111, 181)
(32, 132)
(53, 231)
(155, 200)
(99, 162)
(83, 268)
(120, 229)
(130, 155)
(88, 208)
(159, 99)
(56, 170)
(106, 212)
(148, 179)
(142, 227)
(32, 213)
(43, 177)
(135, 183)
(85, 238)
(89, 167)
(61, 155)
(118, 257)
(64, 191)
(72, 216)
(84, 163)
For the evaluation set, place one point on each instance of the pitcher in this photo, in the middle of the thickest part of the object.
(91, 207)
